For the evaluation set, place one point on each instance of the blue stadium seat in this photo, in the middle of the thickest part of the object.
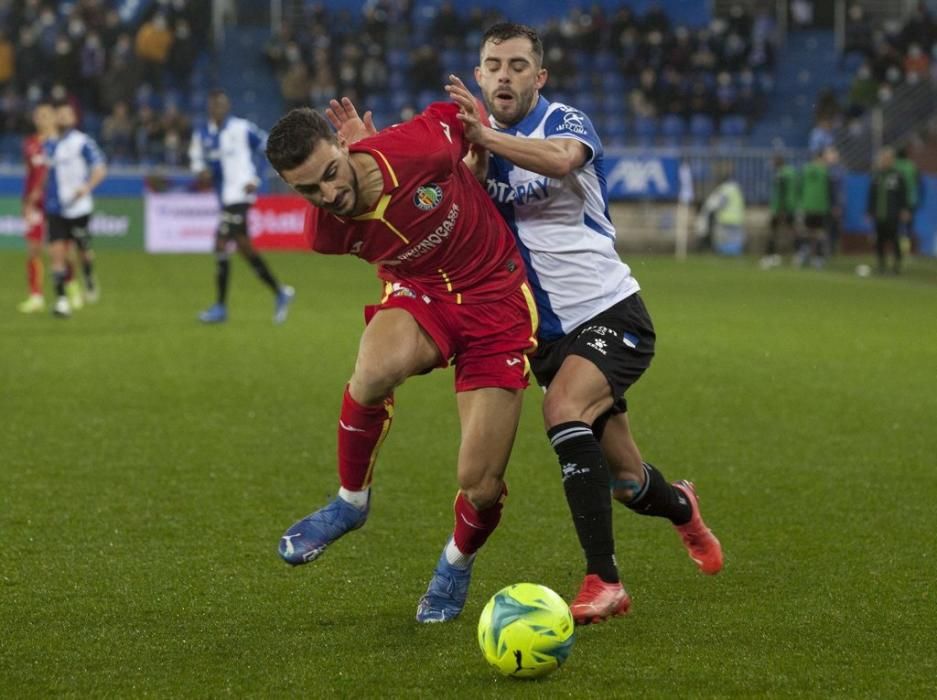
(645, 130)
(451, 60)
(616, 132)
(425, 97)
(586, 102)
(672, 129)
(605, 62)
(733, 126)
(397, 80)
(614, 81)
(398, 59)
(701, 128)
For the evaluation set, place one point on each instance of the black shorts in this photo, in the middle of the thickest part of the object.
(233, 221)
(782, 219)
(62, 229)
(815, 221)
(619, 341)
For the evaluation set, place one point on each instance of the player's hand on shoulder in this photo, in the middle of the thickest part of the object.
(349, 127)
(469, 113)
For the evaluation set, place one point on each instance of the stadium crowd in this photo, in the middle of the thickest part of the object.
(619, 67)
(128, 80)
(886, 57)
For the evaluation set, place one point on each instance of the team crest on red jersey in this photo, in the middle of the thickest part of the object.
(428, 196)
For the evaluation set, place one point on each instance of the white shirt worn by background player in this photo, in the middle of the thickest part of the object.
(228, 152)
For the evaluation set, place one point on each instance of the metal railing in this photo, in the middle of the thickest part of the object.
(910, 109)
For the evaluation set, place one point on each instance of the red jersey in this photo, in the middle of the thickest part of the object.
(36, 165)
(434, 228)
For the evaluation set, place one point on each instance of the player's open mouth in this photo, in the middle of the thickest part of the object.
(504, 97)
(339, 202)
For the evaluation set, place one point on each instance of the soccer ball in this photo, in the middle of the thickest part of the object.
(526, 631)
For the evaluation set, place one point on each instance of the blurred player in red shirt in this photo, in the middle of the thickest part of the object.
(33, 213)
(454, 290)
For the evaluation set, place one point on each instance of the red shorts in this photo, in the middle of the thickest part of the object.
(487, 343)
(35, 226)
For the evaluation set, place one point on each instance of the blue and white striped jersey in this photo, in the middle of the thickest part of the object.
(562, 227)
(228, 153)
(72, 156)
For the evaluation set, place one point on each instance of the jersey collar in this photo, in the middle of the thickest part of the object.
(527, 125)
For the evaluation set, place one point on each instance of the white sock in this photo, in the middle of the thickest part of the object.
(359, 499)
(455, 557)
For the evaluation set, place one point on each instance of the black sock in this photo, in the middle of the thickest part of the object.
(87, 268)
(585, 481)
(58, 280)
(659, 498)
(221, 277)
(263, 272)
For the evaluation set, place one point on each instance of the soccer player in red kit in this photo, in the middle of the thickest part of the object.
(33, 214)
(454, 290)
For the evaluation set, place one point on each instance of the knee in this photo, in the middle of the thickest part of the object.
(559, 407)
(373, 381)
(482, 492)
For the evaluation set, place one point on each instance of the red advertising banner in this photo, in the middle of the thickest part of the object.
(278, 222)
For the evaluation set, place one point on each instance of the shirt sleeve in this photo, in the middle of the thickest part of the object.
(92, 154)
(570, 123)
(256, 137)
(196, 156)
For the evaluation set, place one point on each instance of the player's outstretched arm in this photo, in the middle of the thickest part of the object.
(348, 125)
(556, 157)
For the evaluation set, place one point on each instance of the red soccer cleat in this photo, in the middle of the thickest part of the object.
(597, 601)
(700, 542)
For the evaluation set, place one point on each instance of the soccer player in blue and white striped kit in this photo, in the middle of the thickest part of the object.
(546, 175)
(76, 167)
(223, 151)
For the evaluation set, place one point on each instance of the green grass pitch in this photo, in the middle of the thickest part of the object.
(148, 466)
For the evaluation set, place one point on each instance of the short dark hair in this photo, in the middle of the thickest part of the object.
(295, 136)
(502, 31)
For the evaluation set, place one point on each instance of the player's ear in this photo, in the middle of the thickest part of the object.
(541, 78)
(478, 75)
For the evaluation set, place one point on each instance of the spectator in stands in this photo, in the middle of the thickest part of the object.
(888, 208)
(916, 64)
(821, 135)
(28, 58)
(374, 71)
(859, 32)
(447, 26)
(148, 134)
(183, 54)
(93, 61)
(863, 93)
(323, 85)
(64, 65)
(295, 83)
(425, 69)
(277, 45)
(725, 95)
(153, 42)
(117, 134)
(123, 74)
(7, 59)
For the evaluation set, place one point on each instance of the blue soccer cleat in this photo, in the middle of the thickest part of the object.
(306, 540)
(446, 593)
(216, 313)
(284, 299)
